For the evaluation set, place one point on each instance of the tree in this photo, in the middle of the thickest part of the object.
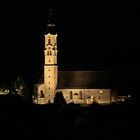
(20, 88)
(59, 100)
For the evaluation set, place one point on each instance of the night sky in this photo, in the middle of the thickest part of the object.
(92, 35)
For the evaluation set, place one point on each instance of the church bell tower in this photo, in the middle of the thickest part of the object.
(50, 66)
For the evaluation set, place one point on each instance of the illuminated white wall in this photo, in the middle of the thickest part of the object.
(48, 89)
(102, 96)
(50, 67)
(40, 90)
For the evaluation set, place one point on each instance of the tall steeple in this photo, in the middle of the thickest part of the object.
(50, 66)
(50, 16)
(51, 26)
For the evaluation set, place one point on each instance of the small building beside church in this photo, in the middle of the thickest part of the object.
(79, 87)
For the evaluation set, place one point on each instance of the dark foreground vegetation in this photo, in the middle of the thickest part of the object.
(22, 118)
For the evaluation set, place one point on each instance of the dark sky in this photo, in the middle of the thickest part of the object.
(92, 35)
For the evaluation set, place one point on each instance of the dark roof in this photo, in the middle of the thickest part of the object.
(83, 79)
(51, 28)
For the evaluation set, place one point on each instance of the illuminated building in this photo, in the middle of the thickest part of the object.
(80, 87)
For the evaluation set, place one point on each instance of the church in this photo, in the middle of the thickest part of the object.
(79, 87)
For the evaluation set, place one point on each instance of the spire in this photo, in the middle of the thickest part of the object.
(50, 17)
(51, 27)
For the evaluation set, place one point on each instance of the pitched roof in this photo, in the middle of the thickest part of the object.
(82, 79)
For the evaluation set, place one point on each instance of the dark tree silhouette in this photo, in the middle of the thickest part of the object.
(59, 100)
(19, 87)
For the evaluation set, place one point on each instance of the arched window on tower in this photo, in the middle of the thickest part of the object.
(49, 40)
(50, 52)
(47, 52)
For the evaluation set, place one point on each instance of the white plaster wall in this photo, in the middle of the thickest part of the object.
(50, 68)
(41, 101)
(52, 37)
(101, 96)
(40, 87)
(50, 82)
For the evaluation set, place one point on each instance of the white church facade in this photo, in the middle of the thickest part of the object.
(79, 87)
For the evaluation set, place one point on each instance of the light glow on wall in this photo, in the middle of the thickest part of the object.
(101, 91)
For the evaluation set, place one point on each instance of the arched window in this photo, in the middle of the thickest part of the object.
(50, 52)
(41, 94)
(80, 95)
(49, 40)
(47, 52)
(70, 94)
